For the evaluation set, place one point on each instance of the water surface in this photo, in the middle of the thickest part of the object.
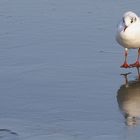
(60, 74)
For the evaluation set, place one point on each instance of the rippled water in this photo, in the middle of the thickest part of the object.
(60, 71)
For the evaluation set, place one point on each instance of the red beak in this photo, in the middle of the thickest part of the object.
(125, 27)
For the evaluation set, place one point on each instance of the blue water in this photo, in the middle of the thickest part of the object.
(60, 70)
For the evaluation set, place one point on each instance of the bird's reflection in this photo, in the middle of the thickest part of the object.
(128, 97)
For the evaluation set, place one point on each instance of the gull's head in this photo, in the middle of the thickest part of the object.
(129, 18)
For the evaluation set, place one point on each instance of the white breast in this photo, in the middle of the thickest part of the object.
(130, 38)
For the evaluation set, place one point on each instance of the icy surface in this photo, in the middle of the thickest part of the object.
(59, 70)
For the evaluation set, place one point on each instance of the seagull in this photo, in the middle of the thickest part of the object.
(128, 36)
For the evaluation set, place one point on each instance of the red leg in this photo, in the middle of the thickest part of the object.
(138, 73)
(125, 64)
(137, 63)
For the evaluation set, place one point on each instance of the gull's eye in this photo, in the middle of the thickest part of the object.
(133, 20)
